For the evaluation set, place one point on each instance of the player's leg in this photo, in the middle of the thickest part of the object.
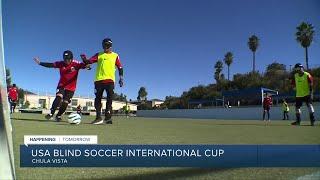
(268, 113)
(98, 91)
(311, 109)
(299, 101)
(56, 103)
(108, 112)
(287, 115)
(264, 113)
(66, 100)
(14, 104)
(10, 103)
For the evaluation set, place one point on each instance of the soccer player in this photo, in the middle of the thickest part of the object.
(126, 109)
(107, 61)
(79, 109)
(267, 102)
(13, 97)
(285, 109)
(69, 69)
(303, 83)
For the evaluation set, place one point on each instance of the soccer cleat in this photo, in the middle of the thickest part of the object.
(108, 117)
(49, 117)
(97, 121)
(58, 118)
(296, 123)
(109, 121)
(312, 123)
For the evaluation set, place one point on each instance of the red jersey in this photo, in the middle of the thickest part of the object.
(267, 102)
(13, 93)
(68, 74)
(94, 59)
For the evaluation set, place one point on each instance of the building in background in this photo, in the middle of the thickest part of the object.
(155, 103)
(44, 102)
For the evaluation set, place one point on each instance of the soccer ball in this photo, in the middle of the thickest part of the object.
(74, 118)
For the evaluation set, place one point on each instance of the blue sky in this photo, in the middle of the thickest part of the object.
(167, 46)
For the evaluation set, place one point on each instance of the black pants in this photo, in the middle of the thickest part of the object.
(63, 102)
(99, 89)
(266, 109)
(285, 115)
(307, 99)
(13, 105)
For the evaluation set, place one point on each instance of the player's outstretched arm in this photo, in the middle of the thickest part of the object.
(120, 69)
(84, 59)
(93, 59)
(86, 63)
(44, 64)
(121, 81)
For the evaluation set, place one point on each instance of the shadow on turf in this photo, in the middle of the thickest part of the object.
(246, 124)
(170, 174)
(44, 120)
(39, 120)
(262, 124)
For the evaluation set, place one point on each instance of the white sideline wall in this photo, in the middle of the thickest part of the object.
(234, 113)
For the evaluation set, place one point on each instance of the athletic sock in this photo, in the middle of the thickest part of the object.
(62, 108)
(108, 115)
(98, 105)
(298, 117)
(312, 117)
(55, 104)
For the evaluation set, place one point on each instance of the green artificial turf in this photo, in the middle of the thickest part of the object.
(136, 130)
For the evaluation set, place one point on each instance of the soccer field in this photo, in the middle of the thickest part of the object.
(137, 130)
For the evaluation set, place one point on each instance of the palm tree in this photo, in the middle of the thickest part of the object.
(253, 44)
(217, 75)
(304, 36)
(228, 58)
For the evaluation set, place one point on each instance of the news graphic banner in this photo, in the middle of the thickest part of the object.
(60, 139)
(205, 156)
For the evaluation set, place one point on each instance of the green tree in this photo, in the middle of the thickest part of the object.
(316, 79)
(8, 77)
(304, 35)
(21, 94)
(276, 77)
(171, 102)
(228, 59)
(142, 94)
(253, 44)
(26, 104)
(248, 80)
(120, 97)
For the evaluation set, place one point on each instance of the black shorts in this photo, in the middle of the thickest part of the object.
(13, 102)
(99, 88)
(67, 94)
(266, 108)
(300, 100)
